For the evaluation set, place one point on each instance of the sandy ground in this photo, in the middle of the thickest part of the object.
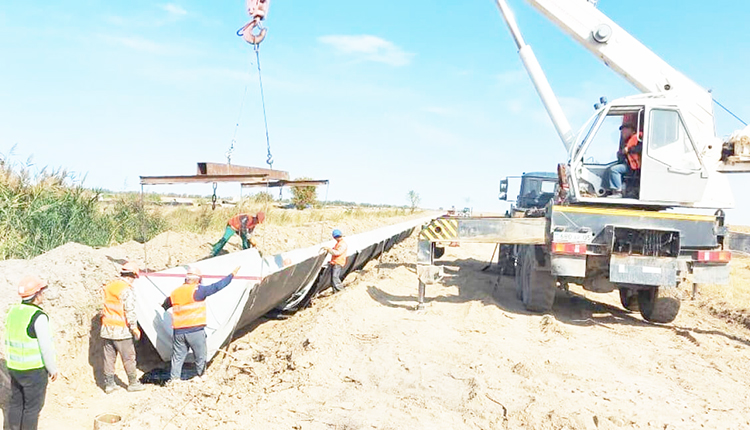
(472, 359)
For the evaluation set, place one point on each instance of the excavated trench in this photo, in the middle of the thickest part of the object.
(279, 284)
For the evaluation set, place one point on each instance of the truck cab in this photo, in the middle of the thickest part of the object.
(676, 169)
(536, 190)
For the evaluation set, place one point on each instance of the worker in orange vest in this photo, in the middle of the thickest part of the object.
(338, 259)
(29, 355)
(188, 303)
(120, 327)
(243, 225)
(628, 159)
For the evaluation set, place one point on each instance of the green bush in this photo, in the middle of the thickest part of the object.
(128, 219)
(303, 197)
(263, 197)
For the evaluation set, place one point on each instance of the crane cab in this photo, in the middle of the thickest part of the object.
(672, 169)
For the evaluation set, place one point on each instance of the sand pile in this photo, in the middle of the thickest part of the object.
(74, 274)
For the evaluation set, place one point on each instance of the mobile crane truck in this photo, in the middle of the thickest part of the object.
(633, 244)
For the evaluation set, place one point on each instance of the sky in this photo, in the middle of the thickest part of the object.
(378, 97)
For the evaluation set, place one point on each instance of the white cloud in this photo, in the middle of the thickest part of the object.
(438, 110)
(138, 43)
(141, 44)
(368, 48)
(511, 78)
(173, 9)
(115, 20)
(202, 75)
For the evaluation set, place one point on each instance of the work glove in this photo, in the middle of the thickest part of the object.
(137, 334)
(253, 243)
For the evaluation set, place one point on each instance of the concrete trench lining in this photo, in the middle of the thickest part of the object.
(284, 283)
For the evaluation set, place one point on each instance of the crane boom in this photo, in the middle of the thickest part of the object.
(628, 57)
(538, 78)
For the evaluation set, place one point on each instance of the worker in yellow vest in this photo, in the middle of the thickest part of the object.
(338, 259)
(30, 355)
(188, 303)
(119, 327)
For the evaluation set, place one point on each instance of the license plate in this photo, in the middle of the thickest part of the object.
(570, 237)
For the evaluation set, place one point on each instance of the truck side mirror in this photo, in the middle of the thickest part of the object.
(503, 195)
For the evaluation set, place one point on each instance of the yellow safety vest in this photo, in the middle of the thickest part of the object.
(22, 351)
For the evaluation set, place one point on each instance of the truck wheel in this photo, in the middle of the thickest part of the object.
(629, 299)
(657, 305)
(538, 284)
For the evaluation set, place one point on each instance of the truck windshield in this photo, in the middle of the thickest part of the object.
(584, 134)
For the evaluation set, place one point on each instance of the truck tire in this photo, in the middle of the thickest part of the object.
(538, 286)
(658, 305)
(629, 299)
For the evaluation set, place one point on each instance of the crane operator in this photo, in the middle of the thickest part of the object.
(628, 159)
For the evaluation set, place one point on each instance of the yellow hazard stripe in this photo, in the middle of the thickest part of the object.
(632, 213)
(426, 234)
(440, 229)
(451, 226)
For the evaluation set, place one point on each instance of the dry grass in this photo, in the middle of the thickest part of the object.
(41, 210)
(203, 218)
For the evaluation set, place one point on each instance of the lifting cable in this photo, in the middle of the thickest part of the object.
(258, 10)
(269, 157)
(322, 215)
(730, 112)
(236, 127)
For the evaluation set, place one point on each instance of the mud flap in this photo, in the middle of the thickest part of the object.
(639, 270)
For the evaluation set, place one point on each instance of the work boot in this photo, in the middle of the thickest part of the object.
(109, 384)
(616, 194)
(134, 384)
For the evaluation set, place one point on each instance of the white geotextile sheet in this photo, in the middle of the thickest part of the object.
(224, 308)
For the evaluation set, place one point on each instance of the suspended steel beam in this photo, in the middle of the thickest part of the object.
(285, 183)
(217, 172)
(158, 180)
(231, 169)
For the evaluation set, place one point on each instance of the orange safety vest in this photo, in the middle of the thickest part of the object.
(186, 311)
(236, 222)
(339, 259)
(634, 159)
(113, 314)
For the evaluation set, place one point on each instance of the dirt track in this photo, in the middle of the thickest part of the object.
(472, 359)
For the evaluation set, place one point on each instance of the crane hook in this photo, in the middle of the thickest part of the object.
(257, 9)
(247, 32)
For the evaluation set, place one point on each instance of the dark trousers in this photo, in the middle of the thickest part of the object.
(28, 389)
(127, 354)
(336, 278)
(183, 341)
